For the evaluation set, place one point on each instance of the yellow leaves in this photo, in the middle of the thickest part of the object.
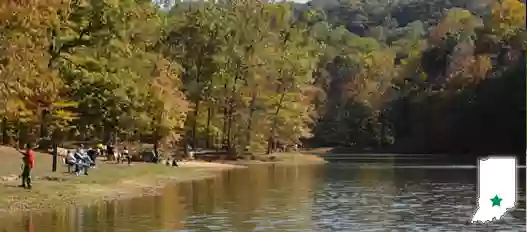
(508, 17)
(30, 15)
(28, 84)
(62, 111)
(168, 105)
(65, 115)
(65, 104)
(372, 82)
(14, 106)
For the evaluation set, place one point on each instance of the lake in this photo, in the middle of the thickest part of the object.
(345, 195)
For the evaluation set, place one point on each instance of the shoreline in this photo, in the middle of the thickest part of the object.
(111, 181)
(53, 191)
(350, 151)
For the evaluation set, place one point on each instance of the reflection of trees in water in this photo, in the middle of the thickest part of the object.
(99, 217)
(252, 194)
(163, 212)
(245, 193)
(200, 195)
(275, 192)
(172, 210)
(300, 194)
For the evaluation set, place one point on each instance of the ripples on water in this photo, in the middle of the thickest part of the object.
(337, 197)
(419, 198)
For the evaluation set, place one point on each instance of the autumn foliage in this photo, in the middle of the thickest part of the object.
(250, 75)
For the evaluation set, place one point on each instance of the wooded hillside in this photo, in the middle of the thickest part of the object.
(410, 75)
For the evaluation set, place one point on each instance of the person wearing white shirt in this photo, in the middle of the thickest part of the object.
(71, 161)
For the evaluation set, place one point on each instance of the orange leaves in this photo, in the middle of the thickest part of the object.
(469, 71)
(456, 20)
(27, 82)
(481, 66)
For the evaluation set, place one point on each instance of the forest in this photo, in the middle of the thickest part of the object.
(423, 76)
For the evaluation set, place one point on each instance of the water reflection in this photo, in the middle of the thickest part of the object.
(337, 197)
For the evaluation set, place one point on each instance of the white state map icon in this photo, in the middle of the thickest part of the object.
(496, 188)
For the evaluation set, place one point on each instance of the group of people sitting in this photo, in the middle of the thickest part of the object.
(81, 160)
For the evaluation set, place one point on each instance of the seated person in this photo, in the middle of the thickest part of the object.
(92, 153)
(83, 162)
(155, 156)
(71, 161)
(174, 163)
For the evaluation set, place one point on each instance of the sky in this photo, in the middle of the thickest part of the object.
(298, 1)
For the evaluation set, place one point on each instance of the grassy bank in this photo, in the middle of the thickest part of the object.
(106, 182)
(109, 180)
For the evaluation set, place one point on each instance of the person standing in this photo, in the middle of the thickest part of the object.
(28, 164)
(127, 155)
(100, 149)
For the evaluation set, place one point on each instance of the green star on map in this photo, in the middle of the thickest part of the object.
(496, 201)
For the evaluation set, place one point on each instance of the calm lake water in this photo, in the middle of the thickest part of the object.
(350, 196)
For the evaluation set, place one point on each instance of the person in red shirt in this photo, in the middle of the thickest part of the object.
(29, 163)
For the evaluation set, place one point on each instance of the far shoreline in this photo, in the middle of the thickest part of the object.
(300, 158)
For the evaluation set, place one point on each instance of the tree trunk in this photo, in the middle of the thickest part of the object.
(197, 101)
(217, 141)
(44, 133)
(230, 118)
(114, 136)
(195, 123)
(156, 146)
(383, 129)
(229, 125)
(252, 108)
(5, 131)
(208, 136)
(107, 130)
(54, 159)
(275, 122)
(225, 120)
(22, 134)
